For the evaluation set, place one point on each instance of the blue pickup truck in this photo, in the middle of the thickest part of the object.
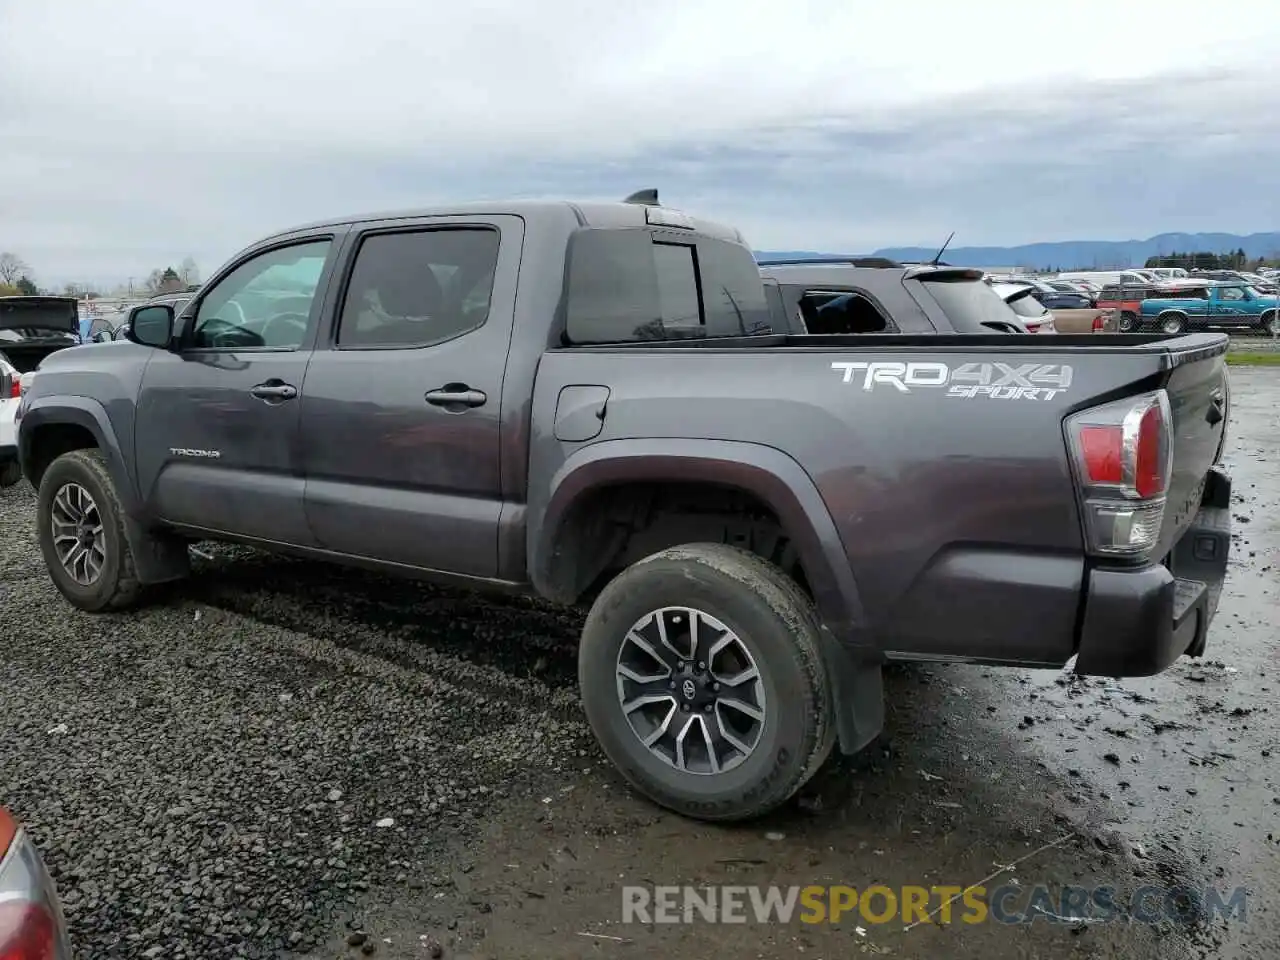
(1218, 304)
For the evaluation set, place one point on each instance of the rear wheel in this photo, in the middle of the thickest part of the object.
(1172, 322)
(703, 681)
(1128, 321)
(10, 473)
(80, 525)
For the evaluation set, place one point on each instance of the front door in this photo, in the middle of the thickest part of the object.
(217, 418)
(1230, 305)
(402, 405)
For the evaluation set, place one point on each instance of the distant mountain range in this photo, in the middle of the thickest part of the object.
(1072, 254)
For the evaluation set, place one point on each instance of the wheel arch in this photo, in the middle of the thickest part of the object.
(558, 531)
(48, 430)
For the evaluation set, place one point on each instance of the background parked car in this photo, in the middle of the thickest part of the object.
(1076, 286)
(31, 328)
(1021, 300)
(113, 325)
(32, 926)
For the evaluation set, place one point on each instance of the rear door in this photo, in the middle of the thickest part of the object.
(401, 407)
(217, 418)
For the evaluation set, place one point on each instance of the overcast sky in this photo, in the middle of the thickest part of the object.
(133, 133)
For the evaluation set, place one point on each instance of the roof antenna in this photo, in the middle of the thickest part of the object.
(941, 250)
(648, 197)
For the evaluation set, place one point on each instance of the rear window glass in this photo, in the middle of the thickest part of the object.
(1027, 306)
(627, 285)
(969, 304)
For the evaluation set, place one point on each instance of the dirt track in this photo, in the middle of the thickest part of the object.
(207, 777)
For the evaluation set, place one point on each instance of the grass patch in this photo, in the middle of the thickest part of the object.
(1259, 358)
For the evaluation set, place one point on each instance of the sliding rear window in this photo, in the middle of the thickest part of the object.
(630, 285)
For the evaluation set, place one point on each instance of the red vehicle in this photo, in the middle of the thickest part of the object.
(1126, 300)
(31, 923)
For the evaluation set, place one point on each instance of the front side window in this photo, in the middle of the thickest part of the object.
(265, 302)
(1231, 293)
(419, 288)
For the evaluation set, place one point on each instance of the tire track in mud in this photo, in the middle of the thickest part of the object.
(513, 649)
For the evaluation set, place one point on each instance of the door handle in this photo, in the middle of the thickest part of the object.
(456, 397)
(274, 391)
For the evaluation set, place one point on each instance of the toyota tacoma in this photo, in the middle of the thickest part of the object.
(592, 403)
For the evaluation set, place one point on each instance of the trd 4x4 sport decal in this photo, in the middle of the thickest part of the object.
(996, 381)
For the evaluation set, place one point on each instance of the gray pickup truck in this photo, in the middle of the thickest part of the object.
(589, 402)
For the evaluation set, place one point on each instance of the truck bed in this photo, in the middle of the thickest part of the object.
(1169, 344)
(941, 458)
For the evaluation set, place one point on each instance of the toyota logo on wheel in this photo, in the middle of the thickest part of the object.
(688, 689)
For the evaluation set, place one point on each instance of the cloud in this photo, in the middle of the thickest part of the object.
(137, 132)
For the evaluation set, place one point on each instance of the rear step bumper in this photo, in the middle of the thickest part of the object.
(1139, 621)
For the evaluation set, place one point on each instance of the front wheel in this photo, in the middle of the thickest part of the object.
(1270, 324)
(703, 681)
(80, 525)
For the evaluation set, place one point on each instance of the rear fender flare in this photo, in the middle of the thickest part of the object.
(765, 472)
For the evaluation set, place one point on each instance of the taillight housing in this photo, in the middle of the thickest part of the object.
(1122, 454)
(31, 922)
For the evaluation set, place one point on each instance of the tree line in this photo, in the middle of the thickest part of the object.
(16, 280)
(1206, 260)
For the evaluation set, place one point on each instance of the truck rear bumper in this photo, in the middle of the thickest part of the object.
(1139, 621)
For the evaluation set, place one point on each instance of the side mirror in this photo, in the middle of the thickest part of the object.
(152, 326)
(102, 336)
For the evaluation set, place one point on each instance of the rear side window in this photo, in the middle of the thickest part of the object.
(418, 288)
(841, 312)
(628, 285)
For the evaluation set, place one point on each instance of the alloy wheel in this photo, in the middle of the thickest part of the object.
(77, 533)
(690, 690)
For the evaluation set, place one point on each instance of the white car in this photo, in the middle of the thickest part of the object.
(31, 328)
(1033, 314)
(10, 385)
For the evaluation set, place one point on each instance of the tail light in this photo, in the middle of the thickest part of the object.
(26, 932)
(31, 921)
(1099, 324)
(1123, 458)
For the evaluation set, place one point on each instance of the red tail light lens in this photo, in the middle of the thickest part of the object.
(1103, 451)
(1123, 458)
(26, 932)
(15, 388)
(1150, 468)
(1098, 324)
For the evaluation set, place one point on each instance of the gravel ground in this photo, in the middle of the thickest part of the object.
(226, 773)
(279, 757)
